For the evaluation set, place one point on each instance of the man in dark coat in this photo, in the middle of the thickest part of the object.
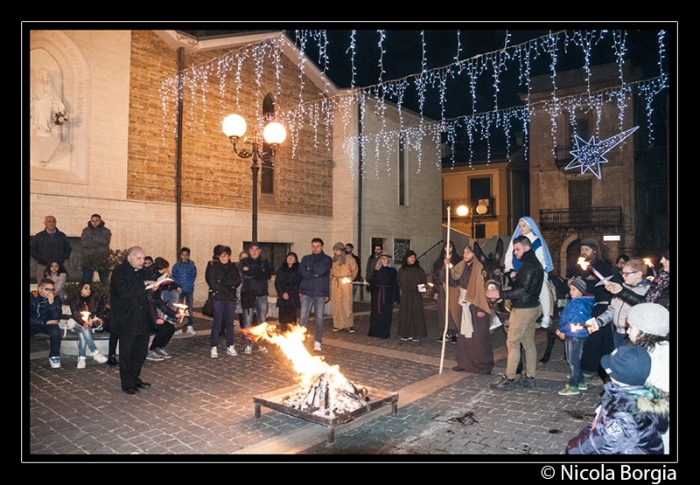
(524, 297)
(255, 273)
(94, 242)
(315, 272)
(131, 318)
(49, 245)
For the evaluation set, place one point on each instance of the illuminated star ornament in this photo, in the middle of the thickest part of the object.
(589, 155)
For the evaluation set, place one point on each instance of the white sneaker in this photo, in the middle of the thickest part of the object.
(98, 357)
(178, 332)
(248, 350)
(546, 322)
(191, 330)
(81, 362)
(163, 353)
(55, 362)
(317, 345)
(231, 351)
(214, 353)
(262, 349)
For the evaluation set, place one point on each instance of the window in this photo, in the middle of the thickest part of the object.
(400, 248)
(275, 253)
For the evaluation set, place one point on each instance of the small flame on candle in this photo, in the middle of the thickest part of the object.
(582, 263)
(648, 262)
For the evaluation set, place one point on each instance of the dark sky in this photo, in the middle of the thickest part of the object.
(403, 57)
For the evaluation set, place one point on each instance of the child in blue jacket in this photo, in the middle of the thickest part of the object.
(184, 273)
(573, 331)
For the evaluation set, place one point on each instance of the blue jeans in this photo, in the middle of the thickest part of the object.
(52, 330)
(318, 303)
(88, 273)
(574, 351)
(224, 313)
(187, 299)
(619, 339)
(260, 311)
(84, 340)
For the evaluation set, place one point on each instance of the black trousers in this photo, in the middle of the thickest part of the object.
(164, 332)
(132, 355)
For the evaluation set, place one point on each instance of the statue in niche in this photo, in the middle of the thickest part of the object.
(47, 108)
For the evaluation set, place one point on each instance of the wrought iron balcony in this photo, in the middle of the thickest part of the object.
(590, 217)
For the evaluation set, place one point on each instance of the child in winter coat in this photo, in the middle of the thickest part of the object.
(573, 331)
(632, 415)
(83, 308)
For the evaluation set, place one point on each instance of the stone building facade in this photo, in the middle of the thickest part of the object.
(112, 87)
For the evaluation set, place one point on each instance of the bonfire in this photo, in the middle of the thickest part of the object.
(324, 390)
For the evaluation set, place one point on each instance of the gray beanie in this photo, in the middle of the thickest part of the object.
(590, 242)
(650, 318)
(579, 284)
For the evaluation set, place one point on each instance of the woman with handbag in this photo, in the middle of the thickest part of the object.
(223, 279)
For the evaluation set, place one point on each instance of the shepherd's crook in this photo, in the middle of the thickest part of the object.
(447, 293)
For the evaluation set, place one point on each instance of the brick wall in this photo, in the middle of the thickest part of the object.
(212, 175)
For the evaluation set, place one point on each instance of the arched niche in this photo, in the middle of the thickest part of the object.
(61, 154)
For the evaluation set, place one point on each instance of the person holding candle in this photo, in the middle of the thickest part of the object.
(658, 289)
(185, 274)
(83, 308)
(573, 331)
(343, 272)
(412, 282)
(633, 273)
(592, 269)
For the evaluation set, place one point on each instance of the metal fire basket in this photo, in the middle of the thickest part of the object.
(378, 398)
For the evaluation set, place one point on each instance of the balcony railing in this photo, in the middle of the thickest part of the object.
(592, 216)
(471, 203)
(562, 155)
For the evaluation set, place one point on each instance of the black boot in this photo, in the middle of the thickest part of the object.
(112, 360)
(504, 384)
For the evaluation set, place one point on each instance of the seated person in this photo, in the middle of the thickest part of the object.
(162, 299)
(632, 415)
(83, 308)
(45, 309)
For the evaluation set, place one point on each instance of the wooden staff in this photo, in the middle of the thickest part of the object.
(447, 294)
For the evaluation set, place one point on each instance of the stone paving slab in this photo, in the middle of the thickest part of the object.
(201, 406)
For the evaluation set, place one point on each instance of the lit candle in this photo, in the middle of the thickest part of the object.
(183, 310)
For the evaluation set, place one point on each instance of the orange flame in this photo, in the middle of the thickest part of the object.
(648, 262)
(292, 344)
(583, 263)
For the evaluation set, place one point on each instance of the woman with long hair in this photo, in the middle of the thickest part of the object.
(287, 281)
(58, 274)
(83, 309)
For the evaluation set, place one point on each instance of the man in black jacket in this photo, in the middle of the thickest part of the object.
(47, 246)
(524, 297)
(131, 318)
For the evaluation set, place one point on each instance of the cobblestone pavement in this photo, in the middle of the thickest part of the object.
(202, 406)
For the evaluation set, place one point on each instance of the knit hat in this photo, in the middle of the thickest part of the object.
(590, 242)
(579, 284)
(650, 318)
(628, 364)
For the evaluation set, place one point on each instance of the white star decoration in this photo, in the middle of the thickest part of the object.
(589, 155)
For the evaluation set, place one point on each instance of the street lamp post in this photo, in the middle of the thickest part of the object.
(474, 214)
(234, 126)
